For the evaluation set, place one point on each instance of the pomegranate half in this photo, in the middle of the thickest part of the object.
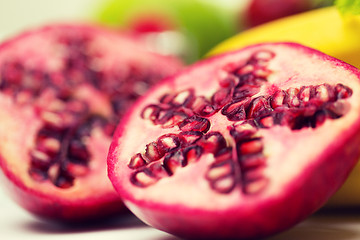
(242, 145)
(63, 89)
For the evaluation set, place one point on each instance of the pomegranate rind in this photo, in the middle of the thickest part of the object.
(305, 167)
(92, 196)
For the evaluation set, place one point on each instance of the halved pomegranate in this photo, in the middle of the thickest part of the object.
(63, 89)
(242, 145)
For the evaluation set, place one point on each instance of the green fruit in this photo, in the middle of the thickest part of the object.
(201, 24)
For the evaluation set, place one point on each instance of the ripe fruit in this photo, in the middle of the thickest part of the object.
(242, 145)
(338, 39)
(63, 89)
(183, 28)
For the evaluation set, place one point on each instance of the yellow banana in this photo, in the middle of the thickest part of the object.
(323, 29)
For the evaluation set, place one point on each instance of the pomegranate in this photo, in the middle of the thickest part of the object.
(241, 145)
(63, 89)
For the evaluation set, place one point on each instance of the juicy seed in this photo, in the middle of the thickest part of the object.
(342, 91)
(235, 111)
(336, 109)
(171, 118)
(263, 56)
(153, 152)
(253, 161)
(168, 142)
(203, 107)
(223, 185)
(77, 170)
(183, 98)
(221, 176)
(157, 170)
(306, 93)
(173, 161)
(151, 112)
(325, 93)
(256, 186)
(278, 99)
(242, 130)
(143, 178)
(220, 170)
(252, 146)
(190, 137)
(224, 154)
(195, 123)
(212, 142)
(192, 153)
(245, 91)
(258, 107)
(137, 161)
(221, 97)
(292, 97)
(265, 122)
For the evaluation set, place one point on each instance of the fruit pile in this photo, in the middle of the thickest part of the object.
(241, 145)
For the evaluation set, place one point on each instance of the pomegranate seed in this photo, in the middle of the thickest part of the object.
(203, 107)
(212, 142)
(183, 98)
(255, 187)
(306, 93)
(235, 111)
(278, 99)
(153, 152)
(250, 147)
(190, 137)
(263, 56)
(195, 123)
(77, 170)
(137, 161)
(223, 185)
(143, 178)
(292, 97)
(251, 161)
(168, 142)
(151, 112)
(192, 153)
(223, 155)
(173, 161)
(220, 170)
(259, 106)
(245, 91)
(266, 122)
(157, 170)
(221, 97)
(342, 91)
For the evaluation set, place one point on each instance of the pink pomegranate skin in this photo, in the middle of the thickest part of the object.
(63, 88)
(283, 153)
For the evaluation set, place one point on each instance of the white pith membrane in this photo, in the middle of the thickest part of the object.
(21, 122)
(290, 154)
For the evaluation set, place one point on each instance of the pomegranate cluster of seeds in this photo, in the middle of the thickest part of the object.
(238, 161)
(60, 153)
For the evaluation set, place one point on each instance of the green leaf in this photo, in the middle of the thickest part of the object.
(348, 6)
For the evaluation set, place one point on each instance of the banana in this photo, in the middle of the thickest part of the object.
(323, 29)
(326, 30)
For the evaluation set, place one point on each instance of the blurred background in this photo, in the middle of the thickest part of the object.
(186, 28)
